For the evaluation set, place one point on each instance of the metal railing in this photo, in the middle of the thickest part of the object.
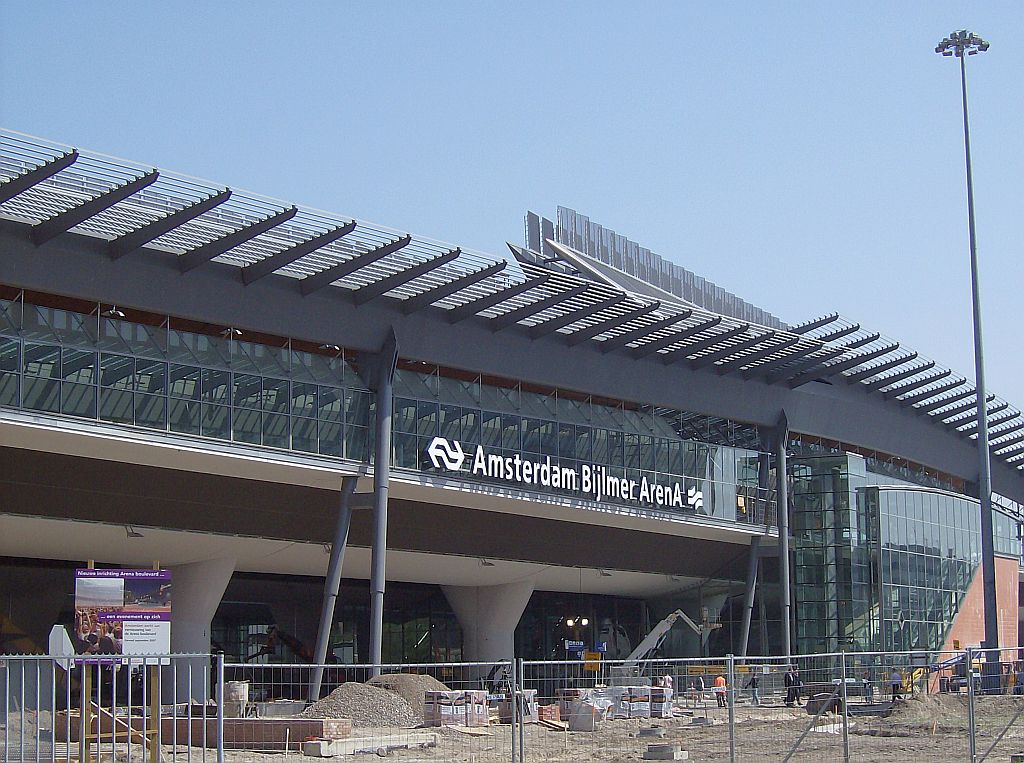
(911, 706)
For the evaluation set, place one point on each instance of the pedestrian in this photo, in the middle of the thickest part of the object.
(1018, 683)
(869, 687)
(752, 684)
(793, 684)
(698, 689)
(896, 681)
(720, 687)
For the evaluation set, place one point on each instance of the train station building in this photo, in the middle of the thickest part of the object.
(497, 453)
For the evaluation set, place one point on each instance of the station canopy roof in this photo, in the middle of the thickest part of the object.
(55, 188)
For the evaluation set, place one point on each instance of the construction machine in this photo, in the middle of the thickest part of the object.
(628, 673)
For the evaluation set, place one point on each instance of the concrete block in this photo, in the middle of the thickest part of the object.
(665, 752)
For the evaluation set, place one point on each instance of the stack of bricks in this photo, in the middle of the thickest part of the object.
(661, 702)
(455, 708)
(566, 697)
(528, 709)
(549, 713)
(636, 702)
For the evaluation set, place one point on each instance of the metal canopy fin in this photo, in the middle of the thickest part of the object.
(1012, 441)
(838, 333)
(483, 303)
(548, 327)
(193, 258)
(611, 323)
(326, 277)
(825, 371)
(704, 344)
(726, 352)
(286, 257)
(364, 294)
(815, 324)
(936, 405)
(881, 368)
(911, 386)
(1012, 453)
(26, 180)
(151, 231)
(992, 421)
(754, 357)
(649, 348)
(421, 300)
(633, 335)
(512, 317)
(928, 394)
(784, 373)
(65, 221)
(891, 379)
(864, 340)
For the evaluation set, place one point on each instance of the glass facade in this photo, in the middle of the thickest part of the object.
(176, 376)
(881, 566)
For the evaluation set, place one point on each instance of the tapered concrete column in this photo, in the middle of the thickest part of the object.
(489, 616)
(782, 491)
(197, 590)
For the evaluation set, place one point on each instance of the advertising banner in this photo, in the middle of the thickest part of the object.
(122, 612)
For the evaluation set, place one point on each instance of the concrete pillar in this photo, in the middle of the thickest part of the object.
(488, 616)
(197, 589)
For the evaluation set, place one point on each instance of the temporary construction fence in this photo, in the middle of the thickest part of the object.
(965, 705)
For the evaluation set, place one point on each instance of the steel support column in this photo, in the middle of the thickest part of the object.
(385, 369)
(748, 599)
(331, 585)
(782, 491)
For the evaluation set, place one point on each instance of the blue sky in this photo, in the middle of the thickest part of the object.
(807, 156)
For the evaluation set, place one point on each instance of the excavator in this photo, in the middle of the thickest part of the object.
(275, 637)
(629, 671)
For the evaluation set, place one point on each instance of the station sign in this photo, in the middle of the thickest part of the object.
(593, 480)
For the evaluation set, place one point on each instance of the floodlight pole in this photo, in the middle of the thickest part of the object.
(961, 44)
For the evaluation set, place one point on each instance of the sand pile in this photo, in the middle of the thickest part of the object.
(409, 686)
(366, 706)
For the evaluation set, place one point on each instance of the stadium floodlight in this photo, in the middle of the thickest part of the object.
(957, 44)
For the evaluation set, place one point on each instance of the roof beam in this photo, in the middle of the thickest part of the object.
(838, 333)
(569, 318)
(815, 324)
(918, 384)
(608, 324)
(1012, 453)
(621, 340)
(881, 368)
(659, 344)
(36, 175)
(963, 407)
(934, 406)
(825, 371)
(364, 294)
(65, 221)
(1006, 418)
(285, 257)
(995, 421)
(151, 231)
(946, 417)
(891, 379)
(200, 255)
(858, 343)
(469, 309)
(1012, 441)
(726, 352)
(746, 360)
(928, 394)
(327, 276)
(512, 317)
(436, 294)
(704, 344)
(827, 353)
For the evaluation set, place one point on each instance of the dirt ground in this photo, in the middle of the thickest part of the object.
(926, 728)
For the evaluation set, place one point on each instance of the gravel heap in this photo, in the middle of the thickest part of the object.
(409, 686)
(366, 706)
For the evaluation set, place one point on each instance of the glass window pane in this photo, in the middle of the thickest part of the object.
(247, 425)
(183, 415)
(357, 443)
(248, 391)
(304, 435)
(304, 399)
(116, 405)
(185, 382)
(10, 350)
(330, 438)
(215, 421)
(78, 400)
(357, 407)
(151, 411)
(117, 371)
(216, 386)
(275, 395)
(150, 376)
(275, 430)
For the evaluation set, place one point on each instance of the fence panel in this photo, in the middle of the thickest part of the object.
(998, 677)
(94, 709)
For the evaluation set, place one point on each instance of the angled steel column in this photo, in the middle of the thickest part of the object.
(386, 362)
(782, 509)
(331, 585)
(748, 599)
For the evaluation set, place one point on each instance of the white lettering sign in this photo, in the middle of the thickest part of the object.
(591, 479)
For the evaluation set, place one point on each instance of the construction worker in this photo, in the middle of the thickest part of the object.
(720, 688)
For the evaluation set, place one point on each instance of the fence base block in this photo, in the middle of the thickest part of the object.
(665, 752)
(329, 748)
